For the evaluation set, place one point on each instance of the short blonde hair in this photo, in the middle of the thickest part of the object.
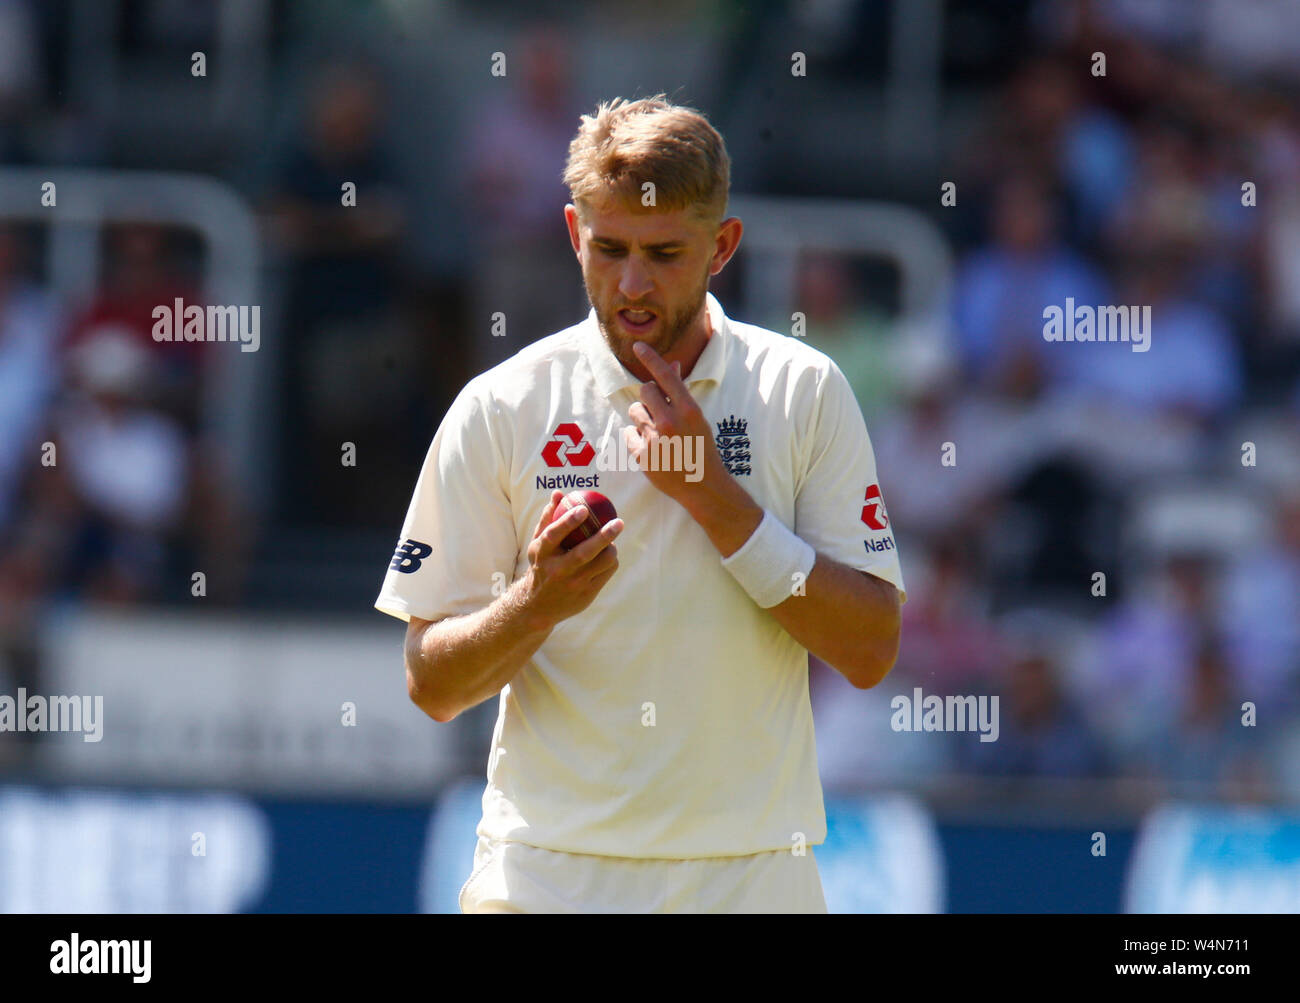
(627, 143)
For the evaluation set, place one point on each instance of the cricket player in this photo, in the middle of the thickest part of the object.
(653, 749)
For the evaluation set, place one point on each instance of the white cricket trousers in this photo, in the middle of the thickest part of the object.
(509, 876)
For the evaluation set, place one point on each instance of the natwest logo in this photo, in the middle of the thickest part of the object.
(568, 447)
(873, 512)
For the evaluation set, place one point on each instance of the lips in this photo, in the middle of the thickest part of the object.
(637, 320)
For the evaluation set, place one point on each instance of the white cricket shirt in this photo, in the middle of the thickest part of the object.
(671, 717)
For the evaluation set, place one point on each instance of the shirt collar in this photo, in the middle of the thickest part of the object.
(612, 376)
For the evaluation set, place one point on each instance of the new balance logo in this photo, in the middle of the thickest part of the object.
(568, 447)
(409, 556)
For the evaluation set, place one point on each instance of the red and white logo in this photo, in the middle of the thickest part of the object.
(568, 447)
(873, 513)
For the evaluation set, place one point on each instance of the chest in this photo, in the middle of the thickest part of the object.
(579, 445)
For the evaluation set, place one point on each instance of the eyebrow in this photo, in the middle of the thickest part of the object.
(662, 246)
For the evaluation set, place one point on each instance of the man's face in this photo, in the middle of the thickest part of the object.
(646, 273)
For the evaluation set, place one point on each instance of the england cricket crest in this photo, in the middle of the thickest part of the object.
(733, 443)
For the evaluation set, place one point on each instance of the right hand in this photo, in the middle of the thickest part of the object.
(561, 583)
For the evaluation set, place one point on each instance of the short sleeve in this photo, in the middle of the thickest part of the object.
(839, 505)
(459, 539)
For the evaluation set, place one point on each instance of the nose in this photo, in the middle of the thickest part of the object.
(634, 282)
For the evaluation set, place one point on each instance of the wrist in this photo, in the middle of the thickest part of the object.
(527, 615)
(770, 562)
(726, 513)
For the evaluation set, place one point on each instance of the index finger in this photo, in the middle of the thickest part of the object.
(664, 375)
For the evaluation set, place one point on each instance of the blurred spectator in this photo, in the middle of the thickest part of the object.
(348, 343)
(1277, 142)
(1042, 126)
(27, 371)
(951, 644)
(141, 274)
(858, 338)
(946, 456)
(1252, 37)
(104, 512)
(1138, 671)
(21, 74)
(524, 265)
(28, 377)
(1192, 367)
(1167, 209)
(1210, 742)
(1004, 287)
(1261, 613)
(341, 252)
(1041, 733)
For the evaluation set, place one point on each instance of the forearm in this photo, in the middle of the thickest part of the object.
(726, 512)
(848, 619)
(457, 663)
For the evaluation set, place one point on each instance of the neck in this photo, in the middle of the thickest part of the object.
(688, 349)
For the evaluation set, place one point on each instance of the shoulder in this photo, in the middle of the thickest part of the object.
(514, 382)
(493, 401)
(771, 355)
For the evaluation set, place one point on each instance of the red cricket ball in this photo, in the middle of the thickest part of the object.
(600, 510)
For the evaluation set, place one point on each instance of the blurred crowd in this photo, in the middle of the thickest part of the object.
(1083, 529)
(1115, 547)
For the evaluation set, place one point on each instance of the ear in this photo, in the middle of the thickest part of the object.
(572, 222)
(726, 243)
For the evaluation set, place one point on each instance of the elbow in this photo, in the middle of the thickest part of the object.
(867, 674)
(420, 675)
(875, 661)
(872, 657)
(428, 701)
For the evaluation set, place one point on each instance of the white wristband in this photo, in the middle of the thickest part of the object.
(767, 564)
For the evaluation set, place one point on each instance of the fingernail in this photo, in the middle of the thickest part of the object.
(639, 347)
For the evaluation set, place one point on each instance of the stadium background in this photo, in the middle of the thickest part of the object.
(225, 713)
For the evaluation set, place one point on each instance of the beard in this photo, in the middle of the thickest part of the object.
(672, 327)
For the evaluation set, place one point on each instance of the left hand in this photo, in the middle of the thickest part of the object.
(666, 409)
